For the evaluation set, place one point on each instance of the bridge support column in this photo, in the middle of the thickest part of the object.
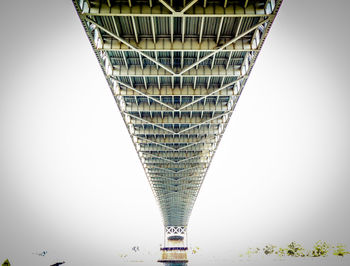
(175, 245)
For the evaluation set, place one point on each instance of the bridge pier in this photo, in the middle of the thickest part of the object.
(175, 245)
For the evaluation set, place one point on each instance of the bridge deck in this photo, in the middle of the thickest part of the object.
(176, 70)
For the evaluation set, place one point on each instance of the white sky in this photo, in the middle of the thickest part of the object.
(71, 182)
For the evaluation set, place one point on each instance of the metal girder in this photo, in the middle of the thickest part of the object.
(155, 170)
(144, 107)
(135, 29)
(171, 141)
(194, 159)
(152, 71)
(157, 181)
(149, 155)
(176, 85)
(196, 131)
(176, 182)
(176, 204)
(219, 119)
(141, 93)
(219, 126)
(176, 120)
(186, 91)
(201, 30)
(163, 186)
(173, 187)
(153, 30)
(175, 195)
(196, 171)
(159, 160)
(194, 101)
(159, 11)
(167, 6)
(150, 158)
(213, 92)
(182, 166)
(182, 193)
(176, 139)
(168, 176)
(156, 149)
(176, 155)
(132, 47)
(219, 30)
(166, 45)
(176, 186)
(222, 47)
(141, 140)
(172, 29)
(138, 120)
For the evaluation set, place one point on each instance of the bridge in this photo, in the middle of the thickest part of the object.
(176, 70)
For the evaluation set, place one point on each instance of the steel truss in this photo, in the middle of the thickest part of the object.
(176, 70)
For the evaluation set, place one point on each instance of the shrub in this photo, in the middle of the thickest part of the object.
(341, 251)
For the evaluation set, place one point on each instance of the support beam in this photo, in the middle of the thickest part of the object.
(219, 30)
(141, 62)
(145, 140)
(141, 93)
(166, 45)
(205, 122)
(162, 149)
(135, 29)
(229, 60)
(239, 26)
(164, 3)
(185, 121)
(153, 30)
(183, 29)
(172, 30)
(149, 123)
(212, 10)
(129, 45)
(202, 131)
(176, 87)
(188, 6)
(201, 30)
(125, 61)
(212, 93)
(223, 46)
(152, 71)
(156, 54)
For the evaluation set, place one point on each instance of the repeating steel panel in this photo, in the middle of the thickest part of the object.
(176, 73)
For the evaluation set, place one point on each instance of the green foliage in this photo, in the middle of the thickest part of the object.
(6, 263)
(269, 249)
(320, 249)
(341, 251)
(281, 252)
(295, 250)
(252, 251)
(195, 250)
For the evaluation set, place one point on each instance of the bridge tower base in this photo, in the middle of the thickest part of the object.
(175, 245)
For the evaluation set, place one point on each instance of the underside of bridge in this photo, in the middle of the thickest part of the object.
(176, 70)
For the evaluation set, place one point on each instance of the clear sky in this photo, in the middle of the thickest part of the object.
(70, 179)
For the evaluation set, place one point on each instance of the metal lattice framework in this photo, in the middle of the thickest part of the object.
(176, 70)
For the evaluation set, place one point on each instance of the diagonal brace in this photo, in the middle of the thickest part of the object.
(130, 46)
(223, 47)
